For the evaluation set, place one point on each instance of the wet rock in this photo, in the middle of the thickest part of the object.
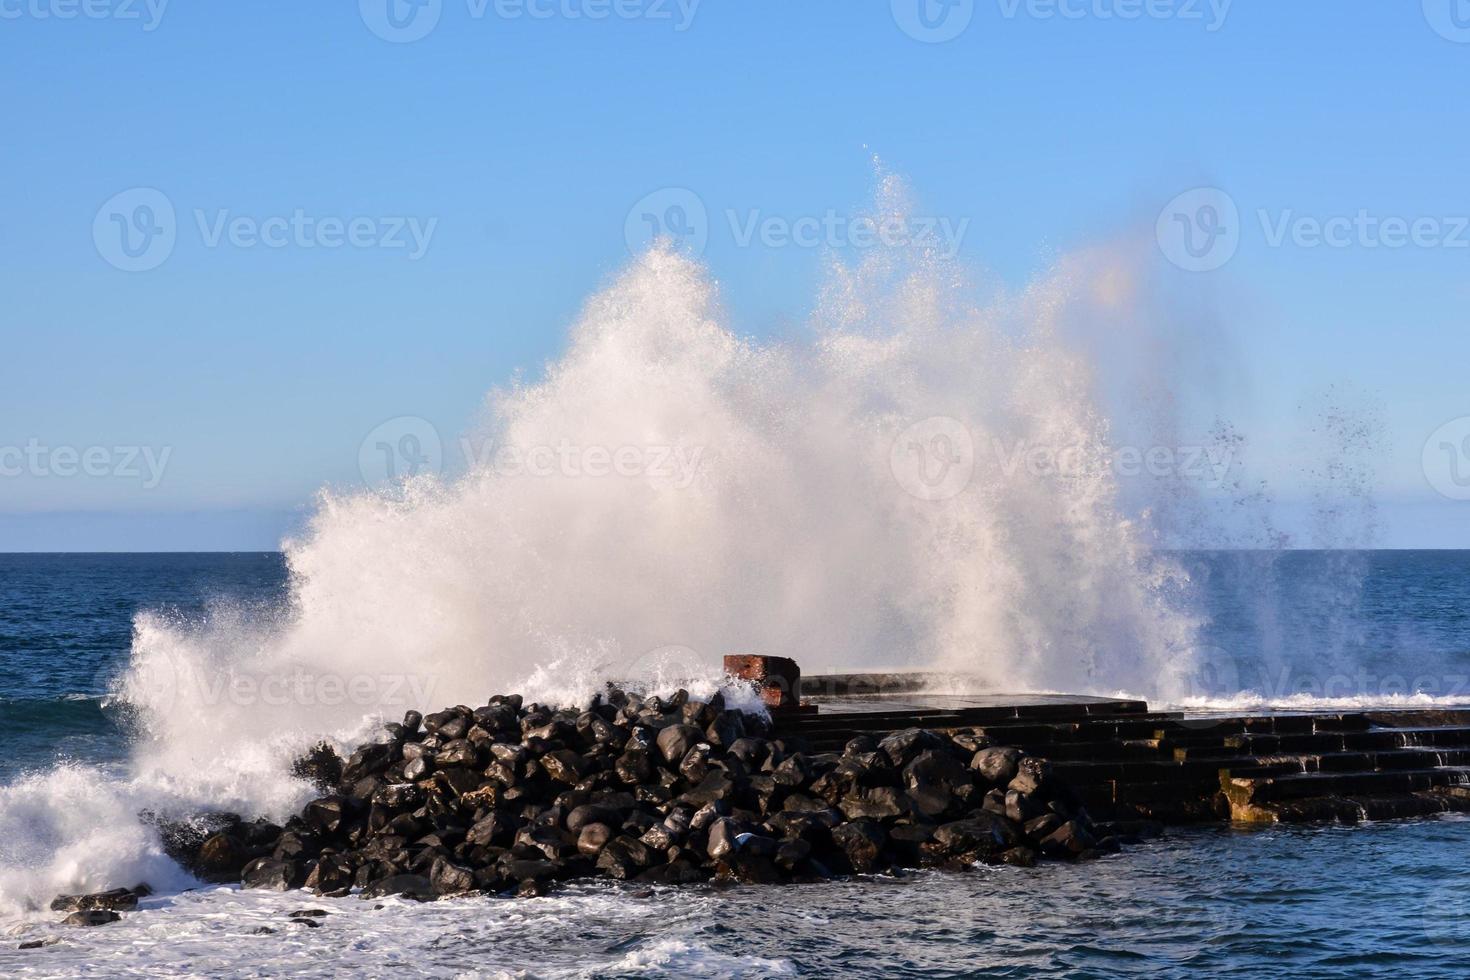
(861, 841)
(675, 741)
(902, 747)
(592, 838)
(327, 813)
(1033, 776)
(220, 858)
(39, 943)
(415, 887)
(1069, 840)
(459, 752)
(996, 765)
(532, 888)
(674, 873)
(982, 834)
(1022, 808)
(448, 878)
(321, 766)
(565, 766)
(273, 874)
(115, 900)
(91, 917)
(308, 914)
(932, 779)
(877, 803)
(1019, 857)
(716, 786)
(624, 857)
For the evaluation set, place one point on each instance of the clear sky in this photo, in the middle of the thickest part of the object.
(496, 159)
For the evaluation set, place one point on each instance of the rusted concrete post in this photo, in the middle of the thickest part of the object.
(777, 678)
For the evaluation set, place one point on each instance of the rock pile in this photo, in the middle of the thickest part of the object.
(513, 797)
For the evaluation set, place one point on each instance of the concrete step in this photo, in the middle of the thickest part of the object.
(1269, 789)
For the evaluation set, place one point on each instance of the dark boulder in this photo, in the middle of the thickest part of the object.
(91, 917)
(448, 878)
(273, 874)
(861, 842)
(321, 766)
(932, 779)
(1069, 840)
(220, 858)
(331, 875)
(901, 747)
(1033, 777)
(415, 887)
(675, 741)
(996, 766)
(114, 900)
(593, 837)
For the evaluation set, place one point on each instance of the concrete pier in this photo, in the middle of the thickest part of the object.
(1128, 762)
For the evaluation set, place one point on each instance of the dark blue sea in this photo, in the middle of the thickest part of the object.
(1384, 900)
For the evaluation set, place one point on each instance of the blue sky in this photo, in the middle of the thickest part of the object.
(516, 137)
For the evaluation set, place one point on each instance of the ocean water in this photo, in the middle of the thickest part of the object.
(1374, 900)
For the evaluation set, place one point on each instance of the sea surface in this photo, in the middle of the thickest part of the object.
(1378, 900)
